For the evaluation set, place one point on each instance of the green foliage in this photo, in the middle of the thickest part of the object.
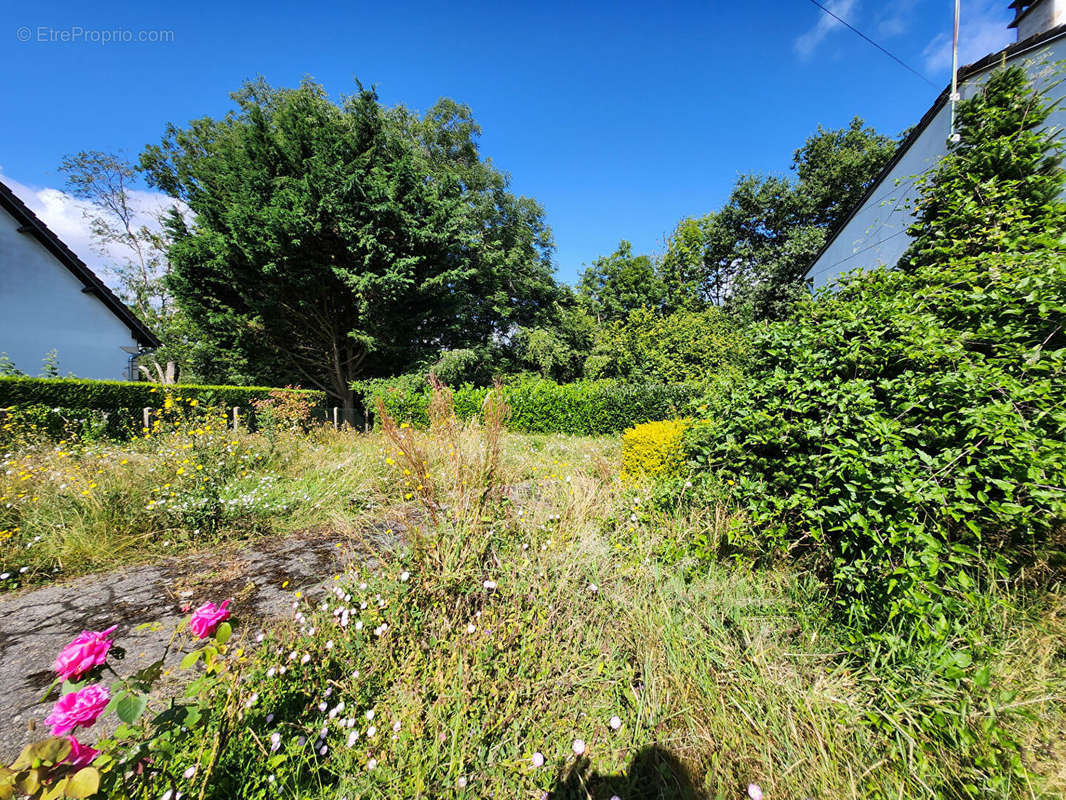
(51, 401)
(8, 368)
(685, 346)
(136, 253)
(287, 409)
(653, 449)
(50, 365)
(541, 406)
(752, 253)
(911, 428)
(28, 422)
(146, 751)
(999, 188)
(337, 241)
(557, 348)
(466, 365)
(620, 283)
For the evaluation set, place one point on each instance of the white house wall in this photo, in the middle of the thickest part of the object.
(43, 308)
(876, 235)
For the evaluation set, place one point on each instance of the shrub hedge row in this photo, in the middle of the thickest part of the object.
(123, 396)
(584, 408)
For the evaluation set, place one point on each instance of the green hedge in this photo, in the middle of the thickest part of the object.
(112, 396)
(540, 406)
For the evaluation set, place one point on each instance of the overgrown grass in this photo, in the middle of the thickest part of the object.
(75, 507)
(531, 606)
(526, 623)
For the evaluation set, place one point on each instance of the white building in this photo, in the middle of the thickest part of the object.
(50, 300)
(875, 233)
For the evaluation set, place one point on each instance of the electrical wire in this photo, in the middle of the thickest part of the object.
(891, 55)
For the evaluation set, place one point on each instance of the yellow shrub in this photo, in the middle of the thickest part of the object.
(653, 448)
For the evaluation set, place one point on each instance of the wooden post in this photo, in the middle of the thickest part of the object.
(336, 418)
(236, 418)
(148, 419)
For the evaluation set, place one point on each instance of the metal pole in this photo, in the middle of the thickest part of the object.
(955, 72)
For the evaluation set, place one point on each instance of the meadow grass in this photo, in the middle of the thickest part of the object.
(539, 601)
(72, 508)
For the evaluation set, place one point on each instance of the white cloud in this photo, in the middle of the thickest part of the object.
(807, 43)
(982, 30)
(896, 18)
(68, 217)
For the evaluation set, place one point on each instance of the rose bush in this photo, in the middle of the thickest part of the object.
(206, 619)
(134, 760)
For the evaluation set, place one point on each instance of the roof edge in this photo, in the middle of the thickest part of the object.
(21, 212)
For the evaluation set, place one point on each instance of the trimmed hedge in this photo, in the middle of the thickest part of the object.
(122, 396)
(584, 408)
(654, 449)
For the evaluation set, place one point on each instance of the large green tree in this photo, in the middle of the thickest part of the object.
(614, 285)
(753, 252)
(337, 241)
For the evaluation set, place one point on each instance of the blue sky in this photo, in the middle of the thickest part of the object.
(619, 117)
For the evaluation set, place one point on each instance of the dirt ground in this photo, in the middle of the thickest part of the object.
(147, 601)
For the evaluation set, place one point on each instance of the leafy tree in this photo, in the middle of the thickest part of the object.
(835, 168)
(616, 284)
(752, 254)
(999, 187)
(338, 241)
(106, 181)
(685, 345)
(8, 368)
(558, 347)
(133, 235)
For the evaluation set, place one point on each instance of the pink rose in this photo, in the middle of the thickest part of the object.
(80, 755)
(206, 618)
(80, 708)
(88, 650)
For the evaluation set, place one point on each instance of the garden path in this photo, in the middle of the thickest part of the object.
(147, 601)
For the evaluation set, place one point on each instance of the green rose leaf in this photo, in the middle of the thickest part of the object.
(223, 632)
(145, 678)
(130, 708)
(53, 749)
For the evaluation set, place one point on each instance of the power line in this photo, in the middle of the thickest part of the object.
(891, 55)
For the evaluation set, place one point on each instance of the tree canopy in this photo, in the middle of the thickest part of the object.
(753, 252)
(334, 241)
(619, 283)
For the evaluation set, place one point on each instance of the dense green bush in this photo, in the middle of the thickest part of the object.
(541, 406)
(911, 429)
(646, 346)
(69, 399)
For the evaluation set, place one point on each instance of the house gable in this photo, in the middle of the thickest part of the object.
(50, 300)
